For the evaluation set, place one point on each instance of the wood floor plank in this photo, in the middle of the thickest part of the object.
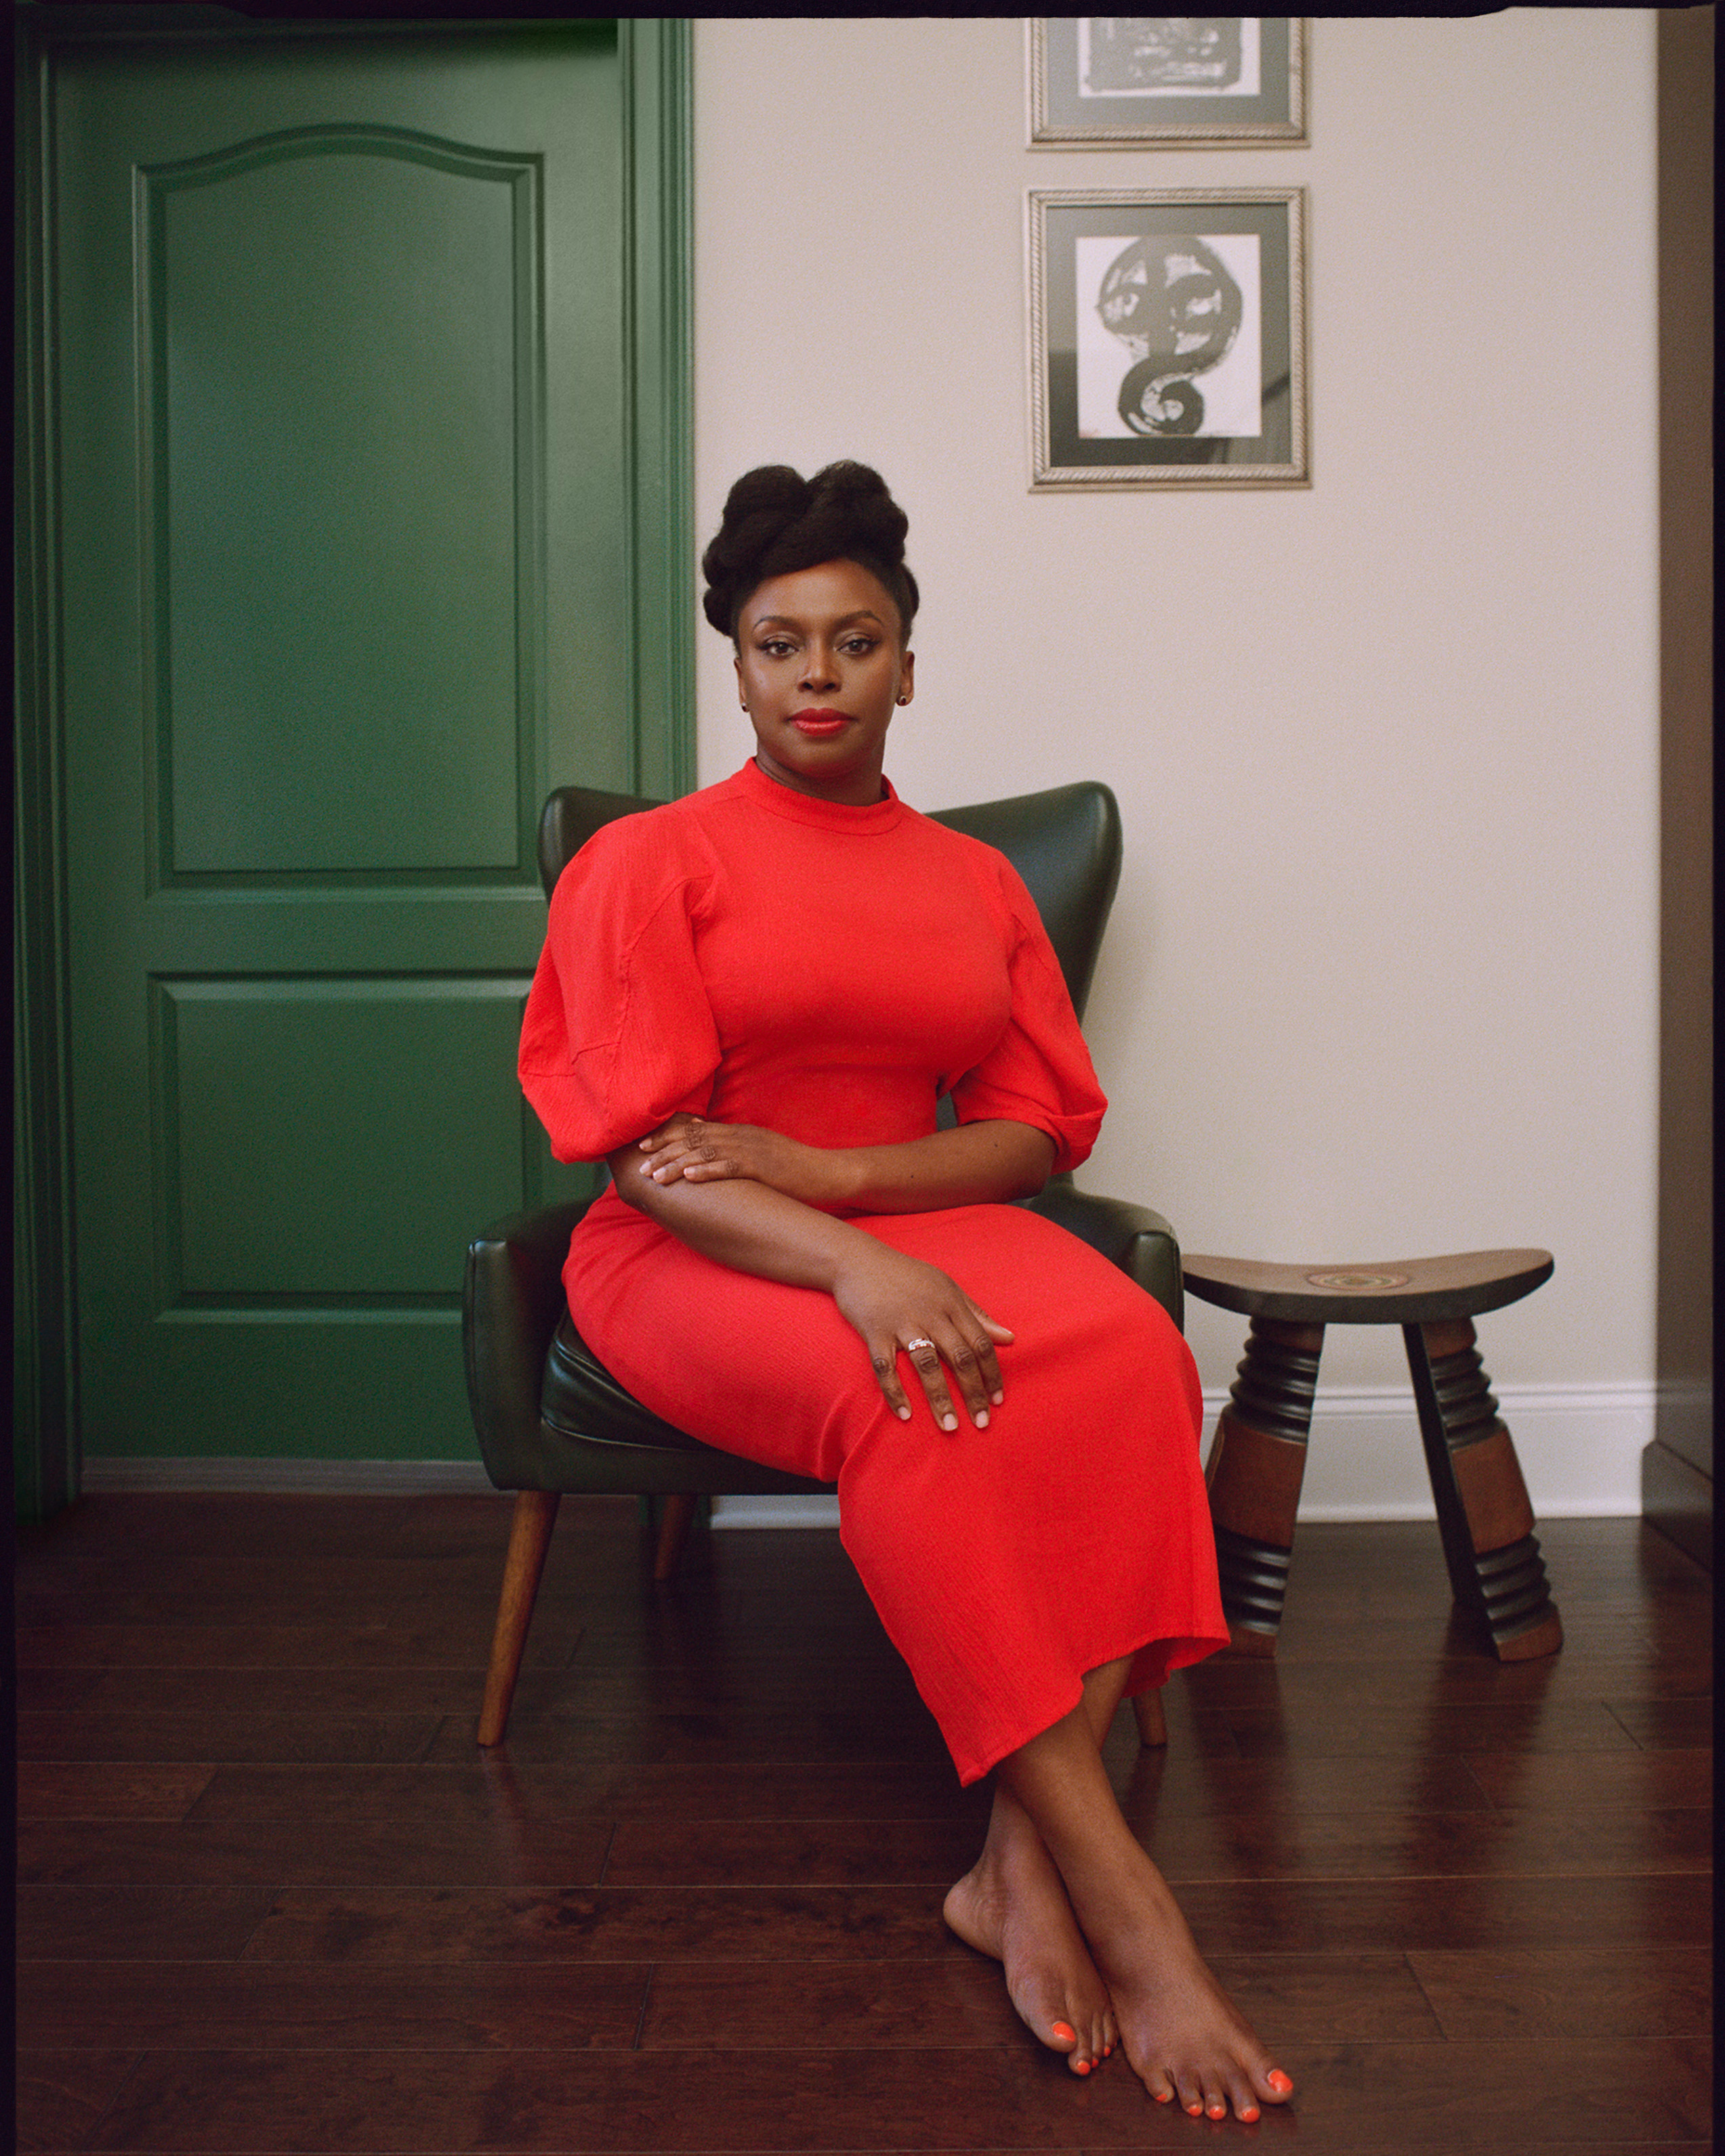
(311, 1688)
(795, 1732)
(736, 1692)
(492, 1786)
(822, 2005)
(426, 1645)
(1176, 1781)
(882, 1923)
(1659, 1724)
(1338, 1916)
(1186, 1847)
(225, 1853)
(286, 1690)
(53, 1691)
(131, 1923)
(605, 1924)
(131, 1738)
(1654, 1670)
(792, 1852)
(62, 2097)
(1457, 2096)
(1611, 1781)
(84, 1790)
(1586, 1726)
(1539, 1993)
(323, 2006)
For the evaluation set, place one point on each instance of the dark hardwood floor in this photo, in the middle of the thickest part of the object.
(273, 1899)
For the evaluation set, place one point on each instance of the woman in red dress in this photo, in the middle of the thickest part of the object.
(749, 1002)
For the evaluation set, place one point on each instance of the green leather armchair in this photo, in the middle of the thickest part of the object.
(551, 1418)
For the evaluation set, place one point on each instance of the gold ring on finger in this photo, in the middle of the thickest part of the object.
(911, 1346)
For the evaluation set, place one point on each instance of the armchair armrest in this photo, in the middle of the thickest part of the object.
(1141, 1243)
(511, 1298)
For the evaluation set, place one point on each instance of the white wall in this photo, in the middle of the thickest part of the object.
(1380, 978)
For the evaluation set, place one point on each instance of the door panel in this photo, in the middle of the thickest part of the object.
(341, 334)
(281, 1176)
(343, 413)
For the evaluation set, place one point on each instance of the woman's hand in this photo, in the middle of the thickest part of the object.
(750, 1222)
(897, 1301)
(690, 1149)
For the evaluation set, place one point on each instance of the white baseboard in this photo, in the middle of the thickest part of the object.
(1579, 1447)
(797, 1510)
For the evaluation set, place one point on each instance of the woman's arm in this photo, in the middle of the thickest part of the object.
(977, 1164)
(890, 1299)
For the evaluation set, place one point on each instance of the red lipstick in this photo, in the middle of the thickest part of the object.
(820, 724)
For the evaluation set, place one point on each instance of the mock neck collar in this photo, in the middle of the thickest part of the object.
(869, 820)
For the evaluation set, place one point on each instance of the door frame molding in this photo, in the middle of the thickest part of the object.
(657, 137)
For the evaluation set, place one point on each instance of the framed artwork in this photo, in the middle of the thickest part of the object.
(1197, 79)
(1168, 336)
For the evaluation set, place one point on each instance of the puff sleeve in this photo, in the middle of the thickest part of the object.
(618, 1034)
(1039, 1071)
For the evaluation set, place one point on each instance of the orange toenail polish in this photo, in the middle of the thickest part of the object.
(1250, 2114)
(1081, 2067)
(1194, 2110)
(1065, 2031)
(1278, 2082)
(1216, 2111)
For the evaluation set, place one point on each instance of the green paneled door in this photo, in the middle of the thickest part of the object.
(344, 419)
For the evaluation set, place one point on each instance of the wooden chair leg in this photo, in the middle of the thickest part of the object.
(674, 1524)
(529, 1538)
(1152, 1722)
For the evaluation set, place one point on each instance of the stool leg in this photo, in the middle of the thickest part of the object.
(1257, 1463)
(1483, 1514)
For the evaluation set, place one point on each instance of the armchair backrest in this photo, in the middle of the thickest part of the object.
(1065, 843)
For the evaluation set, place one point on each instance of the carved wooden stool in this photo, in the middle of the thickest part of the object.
(1258, 1459)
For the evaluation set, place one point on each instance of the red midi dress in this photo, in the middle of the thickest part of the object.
(752, 955)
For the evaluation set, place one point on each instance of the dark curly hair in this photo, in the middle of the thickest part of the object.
(776, 522)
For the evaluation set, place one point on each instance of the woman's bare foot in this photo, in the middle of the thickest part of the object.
(1181, 2032)
(1183, 2035)
(1011, 1904)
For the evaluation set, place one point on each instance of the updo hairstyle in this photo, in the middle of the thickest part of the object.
(777, 522)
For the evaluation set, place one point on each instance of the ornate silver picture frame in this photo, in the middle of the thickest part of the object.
(1199, 80)
(1168, 336)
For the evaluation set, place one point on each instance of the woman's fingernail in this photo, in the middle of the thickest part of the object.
(981, 1418)
(949, 1422)
(1279, 2080)
(999, 1399)
(1064, 2031)
(903, 1414)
